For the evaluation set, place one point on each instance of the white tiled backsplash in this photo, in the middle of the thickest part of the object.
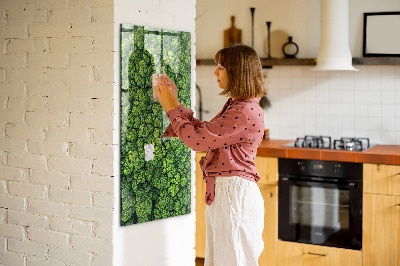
(331, 103)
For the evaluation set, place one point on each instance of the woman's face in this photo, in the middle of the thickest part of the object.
(222, 76)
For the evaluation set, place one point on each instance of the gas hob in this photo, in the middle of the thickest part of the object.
(325, 142)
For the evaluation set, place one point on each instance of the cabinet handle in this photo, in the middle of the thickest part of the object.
(318, 254)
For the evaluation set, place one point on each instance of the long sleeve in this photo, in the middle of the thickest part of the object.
(188, 114)
(227, 129)
(231, 139)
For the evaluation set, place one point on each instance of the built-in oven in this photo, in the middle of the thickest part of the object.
(320, 202)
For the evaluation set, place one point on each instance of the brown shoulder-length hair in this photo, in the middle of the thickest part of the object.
(245, 78)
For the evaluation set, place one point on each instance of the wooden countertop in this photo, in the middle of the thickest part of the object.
(379, 154)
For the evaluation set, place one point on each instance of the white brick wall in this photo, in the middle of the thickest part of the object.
(28, 219)
(56, 126)
(27, 247)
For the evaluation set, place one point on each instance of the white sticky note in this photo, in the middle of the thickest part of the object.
(148, 152)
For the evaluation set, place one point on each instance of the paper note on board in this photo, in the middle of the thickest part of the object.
(148, 152)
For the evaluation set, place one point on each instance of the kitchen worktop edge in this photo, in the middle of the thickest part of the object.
(378, 154)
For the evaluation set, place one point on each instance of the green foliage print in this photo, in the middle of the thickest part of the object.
(160, 187)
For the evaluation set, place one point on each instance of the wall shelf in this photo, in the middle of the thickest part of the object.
(312, 61)
(288, 61)
(376, 61)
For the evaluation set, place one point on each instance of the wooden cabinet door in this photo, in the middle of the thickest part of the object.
(381, 179)
(381, 230)
(267, 168)
(200, 209)
(297, 254)
(270, 233)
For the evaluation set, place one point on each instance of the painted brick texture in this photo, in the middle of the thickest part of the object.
(56, 127)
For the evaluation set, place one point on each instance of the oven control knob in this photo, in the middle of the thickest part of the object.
(302, 167)
(336, 169)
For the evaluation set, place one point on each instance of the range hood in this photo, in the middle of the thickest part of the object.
(334, 51)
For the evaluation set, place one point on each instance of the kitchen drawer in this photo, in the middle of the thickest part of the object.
(381, 179)
(298, 254)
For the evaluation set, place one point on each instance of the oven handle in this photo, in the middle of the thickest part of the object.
(297, 181)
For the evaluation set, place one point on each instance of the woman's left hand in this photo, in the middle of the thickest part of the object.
(163, 91)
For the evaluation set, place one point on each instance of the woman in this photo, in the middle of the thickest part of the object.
(235, 207)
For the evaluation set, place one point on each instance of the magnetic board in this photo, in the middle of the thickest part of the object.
(155, 172)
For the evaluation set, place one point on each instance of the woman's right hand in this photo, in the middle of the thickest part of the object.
(174, 90)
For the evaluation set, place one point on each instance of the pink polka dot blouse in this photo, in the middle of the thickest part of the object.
(231, 139)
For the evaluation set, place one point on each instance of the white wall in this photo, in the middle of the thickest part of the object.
(169, 241)
(298, 18)
(338, 104)
(56, 121)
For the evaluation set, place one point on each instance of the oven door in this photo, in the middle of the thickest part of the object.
(320, 212)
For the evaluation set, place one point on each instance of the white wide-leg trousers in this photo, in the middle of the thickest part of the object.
(234, 223)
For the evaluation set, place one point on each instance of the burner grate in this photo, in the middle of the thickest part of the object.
(324, 142)
(351, 144)
(320, 142)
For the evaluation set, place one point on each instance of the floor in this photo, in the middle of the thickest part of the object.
(199, 262)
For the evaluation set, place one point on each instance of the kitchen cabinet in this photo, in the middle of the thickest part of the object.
(267, 167)
(270, 233)
(381, 230)
(200, 209)
(381, 179)
(381, 221)
(381, 215)
(291, 253)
